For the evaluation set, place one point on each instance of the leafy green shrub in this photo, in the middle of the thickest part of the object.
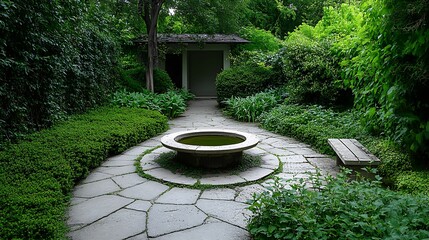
(385, 62)
(162, 81)
(310, 71)
(133, 79)
(340, 209)
(56, 59)
(242, 81)
(260, 40)
(185, 94)
(315, 125)
(251, 107)
(413, 182)
(37, 175)
(171, 103)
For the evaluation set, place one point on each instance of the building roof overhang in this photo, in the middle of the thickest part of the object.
(194, 39)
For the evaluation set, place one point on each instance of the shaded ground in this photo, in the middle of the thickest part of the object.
(113, 202)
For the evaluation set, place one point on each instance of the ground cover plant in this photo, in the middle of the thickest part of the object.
(315, 125)
(38, 173)
(171, 103)
(167, 161)
(337, 209)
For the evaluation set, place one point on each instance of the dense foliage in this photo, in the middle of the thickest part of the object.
(311, 73)
(378, 50)
(171, 104)
(251, 107)
(37, 175)
(204, 16)
(242, 81)
(338, 209)
(56, 59)
(387, 70)
(315, 125)
(134, 80)
(283, 16)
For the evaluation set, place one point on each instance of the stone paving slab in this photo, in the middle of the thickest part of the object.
(128, 180)
(140, 205)
(234, 213)
(246, 193)
(126, 223)
(116, 170)
(255, 173)
(96, 176)
(168, 176)
(136, 151)
(94, 189)
(118, 163)
(149, 190)
(212, 231)
(165, 218)
(114, 202)
(222, 180)
(96, 208)
(219, 194)
(179, 196)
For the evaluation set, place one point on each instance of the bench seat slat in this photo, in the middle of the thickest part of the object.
(351, 152)
(373, 158)
(343, 152)
(360, 155)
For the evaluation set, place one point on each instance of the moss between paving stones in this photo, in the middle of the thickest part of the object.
(166, 160)
(200, 186)
(37, 175)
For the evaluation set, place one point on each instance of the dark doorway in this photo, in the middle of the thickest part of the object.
(203, 67)
(173, 66)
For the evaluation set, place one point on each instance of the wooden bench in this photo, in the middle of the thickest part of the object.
(352, 153)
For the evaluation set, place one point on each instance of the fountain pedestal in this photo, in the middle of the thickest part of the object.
(214, 156)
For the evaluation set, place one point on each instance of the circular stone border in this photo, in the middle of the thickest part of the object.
(269, 164)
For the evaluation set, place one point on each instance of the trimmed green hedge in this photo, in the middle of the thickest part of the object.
(37, 175)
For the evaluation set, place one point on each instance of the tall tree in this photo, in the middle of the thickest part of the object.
(149, 11)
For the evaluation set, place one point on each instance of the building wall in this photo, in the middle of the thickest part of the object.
(203, 67)
(200, 64)
(224, 49)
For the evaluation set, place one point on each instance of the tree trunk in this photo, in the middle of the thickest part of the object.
(151, 52)
(149, 10)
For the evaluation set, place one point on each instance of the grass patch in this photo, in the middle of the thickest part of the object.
(167, 161)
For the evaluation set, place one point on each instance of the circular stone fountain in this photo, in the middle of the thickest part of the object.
(209, 148)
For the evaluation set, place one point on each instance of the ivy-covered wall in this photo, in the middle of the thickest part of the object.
(55, 59)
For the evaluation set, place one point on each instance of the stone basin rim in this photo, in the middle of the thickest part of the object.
(171, 141)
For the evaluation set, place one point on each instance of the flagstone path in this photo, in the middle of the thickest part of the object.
(114, 202)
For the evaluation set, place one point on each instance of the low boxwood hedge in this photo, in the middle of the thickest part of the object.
(37, 174)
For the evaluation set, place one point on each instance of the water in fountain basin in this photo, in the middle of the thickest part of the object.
(210, 140)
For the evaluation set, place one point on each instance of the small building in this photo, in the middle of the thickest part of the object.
(194, 60)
